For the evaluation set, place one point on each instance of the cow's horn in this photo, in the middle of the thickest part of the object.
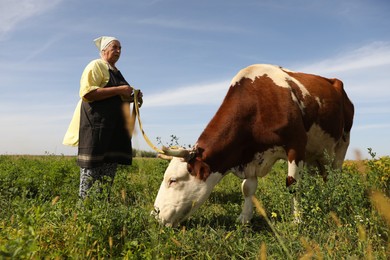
(176, 151)
(164, 157)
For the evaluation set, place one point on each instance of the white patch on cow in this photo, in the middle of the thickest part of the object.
(261, 163)
(276, 73)
(298, 102)
(278, 76)
(319, 142)
(318, 101)
(294, 169)
(180, 193)
(287, 70)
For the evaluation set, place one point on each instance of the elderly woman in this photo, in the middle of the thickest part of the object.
(103, 138)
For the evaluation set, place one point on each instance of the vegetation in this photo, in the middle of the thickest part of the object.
(41, 216)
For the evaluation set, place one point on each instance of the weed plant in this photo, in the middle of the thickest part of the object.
(41, 215)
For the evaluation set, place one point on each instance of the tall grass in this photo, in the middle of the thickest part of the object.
(42, 217)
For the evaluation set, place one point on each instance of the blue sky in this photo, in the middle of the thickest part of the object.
(182, 55)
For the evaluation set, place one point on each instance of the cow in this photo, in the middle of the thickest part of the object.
(269, 113)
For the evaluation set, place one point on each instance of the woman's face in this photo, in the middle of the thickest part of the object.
(112, 52)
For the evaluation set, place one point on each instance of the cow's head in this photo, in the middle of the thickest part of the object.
(187, 183)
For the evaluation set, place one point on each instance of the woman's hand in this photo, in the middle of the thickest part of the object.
(127, 94)
(140, 101)
(125, 91)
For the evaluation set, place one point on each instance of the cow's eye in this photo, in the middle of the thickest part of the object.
(172, 181)
(189, 168)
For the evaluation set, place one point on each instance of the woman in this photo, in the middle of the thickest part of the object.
(103, 140)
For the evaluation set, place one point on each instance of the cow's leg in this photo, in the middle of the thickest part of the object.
(295, 165)
(248, 188)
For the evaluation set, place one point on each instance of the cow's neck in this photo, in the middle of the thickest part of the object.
(224, 144)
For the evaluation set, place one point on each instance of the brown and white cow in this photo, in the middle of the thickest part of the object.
(269, 113)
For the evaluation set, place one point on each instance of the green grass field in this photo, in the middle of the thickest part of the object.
(41, 216)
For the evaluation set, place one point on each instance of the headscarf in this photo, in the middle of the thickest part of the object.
(103, 41)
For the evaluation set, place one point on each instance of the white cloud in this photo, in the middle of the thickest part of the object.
(372, 55)
(373, 110)
(190, 95)
(368, 89)
(14, 12)
(372, 126)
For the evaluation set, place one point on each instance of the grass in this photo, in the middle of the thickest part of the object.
(41, 216)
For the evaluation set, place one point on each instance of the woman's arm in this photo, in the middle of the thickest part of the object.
(103, 93)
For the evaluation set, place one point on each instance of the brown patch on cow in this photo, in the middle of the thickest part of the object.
(335, 113)
(250, 120)
(199, 169)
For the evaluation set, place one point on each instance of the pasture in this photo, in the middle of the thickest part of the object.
(41, 216)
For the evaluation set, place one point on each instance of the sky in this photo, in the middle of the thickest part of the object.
(183, 55)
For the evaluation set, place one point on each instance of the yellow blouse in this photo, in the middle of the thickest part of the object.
(95, 75)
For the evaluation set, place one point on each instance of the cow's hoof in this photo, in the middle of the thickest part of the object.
(244, 219)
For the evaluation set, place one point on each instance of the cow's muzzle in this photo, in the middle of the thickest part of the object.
(155, 212)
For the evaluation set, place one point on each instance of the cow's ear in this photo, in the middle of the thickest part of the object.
(199, 169)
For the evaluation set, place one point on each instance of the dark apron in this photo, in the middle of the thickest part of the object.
(103, 137)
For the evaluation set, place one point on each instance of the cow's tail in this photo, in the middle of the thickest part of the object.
(348, 109)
